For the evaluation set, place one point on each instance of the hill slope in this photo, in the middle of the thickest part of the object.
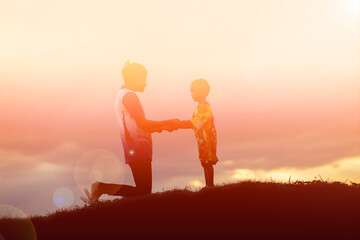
(244, 210)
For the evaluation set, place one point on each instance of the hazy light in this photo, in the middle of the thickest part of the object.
(196, 183)
(253, 71)
(63, 197)
(353, 7)
(98, 165)
(216, 96)
(241, 174)
(228, 162)
(97, 174)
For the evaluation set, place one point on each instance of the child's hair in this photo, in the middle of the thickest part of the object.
(201, 86)
(132, 71)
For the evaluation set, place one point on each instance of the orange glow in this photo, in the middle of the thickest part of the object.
(196, 183)
(284, 79)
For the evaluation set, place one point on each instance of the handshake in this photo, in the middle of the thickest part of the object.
(170, 125)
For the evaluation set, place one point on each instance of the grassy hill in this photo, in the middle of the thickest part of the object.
(244, 210)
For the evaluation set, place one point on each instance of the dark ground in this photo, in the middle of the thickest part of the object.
(245, 210)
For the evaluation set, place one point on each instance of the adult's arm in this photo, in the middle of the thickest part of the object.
(133, 104)
(151, 124)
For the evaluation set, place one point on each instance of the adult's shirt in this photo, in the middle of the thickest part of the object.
(137, 142)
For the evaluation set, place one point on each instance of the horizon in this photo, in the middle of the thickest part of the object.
(284, 79)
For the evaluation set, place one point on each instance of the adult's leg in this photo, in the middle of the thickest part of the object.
(142, 174)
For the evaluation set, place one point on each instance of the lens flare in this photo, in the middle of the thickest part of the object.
(63, 197)
(20, 227)
(131, 152)
(98, 165)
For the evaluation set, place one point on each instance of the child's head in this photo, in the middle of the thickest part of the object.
(134, 75)
(199, 90)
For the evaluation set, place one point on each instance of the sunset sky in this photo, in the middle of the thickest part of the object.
(284, 78)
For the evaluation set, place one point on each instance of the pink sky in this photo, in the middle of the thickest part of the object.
(284, 79)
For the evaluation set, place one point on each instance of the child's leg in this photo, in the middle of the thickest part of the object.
(210, 170)
(209, 175)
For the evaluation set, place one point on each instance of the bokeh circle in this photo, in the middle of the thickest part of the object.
(98, 165)
(63, 197)
(15, 224)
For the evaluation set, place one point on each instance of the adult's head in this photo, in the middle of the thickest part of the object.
(134, 75)
(199, 89)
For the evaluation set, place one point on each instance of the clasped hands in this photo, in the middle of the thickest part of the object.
(172, 124)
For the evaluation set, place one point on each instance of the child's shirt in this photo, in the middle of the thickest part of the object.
(205, 133)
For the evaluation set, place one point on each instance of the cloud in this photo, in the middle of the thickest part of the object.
(13, 161)
(341, 170)
(298, 151)
(27, 181)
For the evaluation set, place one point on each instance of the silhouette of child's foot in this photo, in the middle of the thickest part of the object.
(207, 187)
(95, 190)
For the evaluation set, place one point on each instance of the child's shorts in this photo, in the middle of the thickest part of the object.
(207, 163)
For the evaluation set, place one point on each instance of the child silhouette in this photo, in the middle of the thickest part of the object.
(203, 125)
